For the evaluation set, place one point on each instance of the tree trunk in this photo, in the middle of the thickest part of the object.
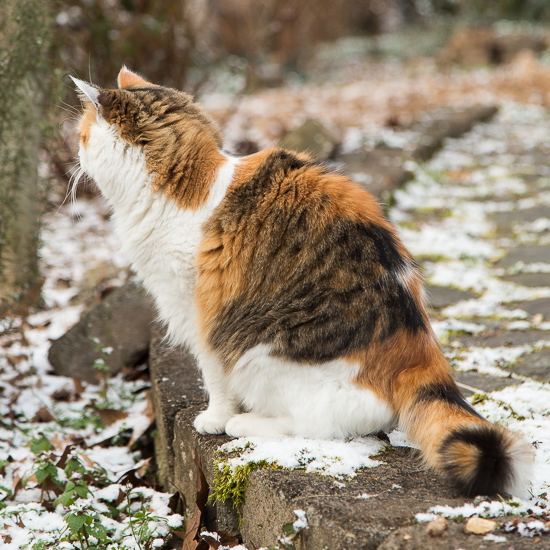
(24, 43)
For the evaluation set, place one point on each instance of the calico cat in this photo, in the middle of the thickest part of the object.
(302, 306)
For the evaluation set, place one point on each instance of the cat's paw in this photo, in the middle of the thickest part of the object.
(250, 424)
(211, 421)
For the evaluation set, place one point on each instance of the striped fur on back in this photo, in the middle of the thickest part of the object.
(304, 309)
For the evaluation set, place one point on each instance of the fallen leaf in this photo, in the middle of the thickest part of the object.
(78, 386)
(131, 478)
(62, 462)
(480, 526)
(43, 415)
(110, 416)
(149, 413)
(143, 466)
(192, 540)
(212, 542)
(64, 394)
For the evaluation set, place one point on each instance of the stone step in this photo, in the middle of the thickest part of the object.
(339, 513)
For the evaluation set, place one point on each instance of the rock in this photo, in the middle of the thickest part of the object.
(481, 383)
(534, 280)
(97, 283)
(437, 527)
(381, 170)
(311, 137)
(480, 526)
(440, 124)
(172, 372)
(537, 307)
(121, 321)
(527, 255)
(440, 297)
(535, 365)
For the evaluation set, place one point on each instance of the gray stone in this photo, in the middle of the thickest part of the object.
(174, 386)
(505, 220)
(536, 365)
(440, 124)
(478, 382)
(497, 338)
(440, 297)
(380, 171)
(527, 255)
(541, 306)
(530, 279)
(311, 137)
(337, 517)
(121, 321)
(190, 446)
(416, 537)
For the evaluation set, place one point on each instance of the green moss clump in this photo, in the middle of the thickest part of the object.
(231, 482)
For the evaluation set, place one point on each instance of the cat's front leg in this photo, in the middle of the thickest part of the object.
(221, 405)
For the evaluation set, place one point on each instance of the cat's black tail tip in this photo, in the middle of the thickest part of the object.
(486, 459)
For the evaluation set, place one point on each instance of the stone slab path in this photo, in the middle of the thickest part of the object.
(477, 218)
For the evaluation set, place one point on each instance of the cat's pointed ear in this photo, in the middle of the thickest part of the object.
(87, 92)
(128, 78)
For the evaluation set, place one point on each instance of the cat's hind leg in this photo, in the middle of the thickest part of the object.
(252, 424)
(221, 404)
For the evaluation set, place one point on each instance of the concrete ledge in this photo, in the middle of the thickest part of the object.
(340, 517)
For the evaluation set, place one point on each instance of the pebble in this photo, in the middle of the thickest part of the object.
(437, 527)
(480, 526)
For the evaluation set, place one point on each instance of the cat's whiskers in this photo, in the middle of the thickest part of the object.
(76, 176)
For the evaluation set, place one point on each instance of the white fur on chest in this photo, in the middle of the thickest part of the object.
(158, 237)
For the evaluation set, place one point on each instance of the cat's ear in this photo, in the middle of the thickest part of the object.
(128, 78)
(87, 92)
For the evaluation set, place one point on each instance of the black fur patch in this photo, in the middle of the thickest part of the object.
(493, 471)
(316, 289)
(447, 393)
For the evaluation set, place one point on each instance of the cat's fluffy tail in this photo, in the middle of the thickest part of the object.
(478, 458)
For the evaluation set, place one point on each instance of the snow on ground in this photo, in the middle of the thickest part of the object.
(61, 473)
(52, 447)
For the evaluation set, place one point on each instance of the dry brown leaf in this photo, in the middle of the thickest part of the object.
(110, 416)
(149, 413)
(43, 415)
(143, 465)
(78, 386)
(64, 394)
(211, 541)
(192, 539)
(192, 529)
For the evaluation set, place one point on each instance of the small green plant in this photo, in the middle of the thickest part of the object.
(140, 522)
(44, 469)
(100, 365)
(84, 525)
(76, 486)
(231, 482)
(479, 398)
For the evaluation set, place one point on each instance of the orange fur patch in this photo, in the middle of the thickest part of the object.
(128, 78)
(465, 455)
(88, 119)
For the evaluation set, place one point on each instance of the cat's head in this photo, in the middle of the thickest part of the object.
(141, 137)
